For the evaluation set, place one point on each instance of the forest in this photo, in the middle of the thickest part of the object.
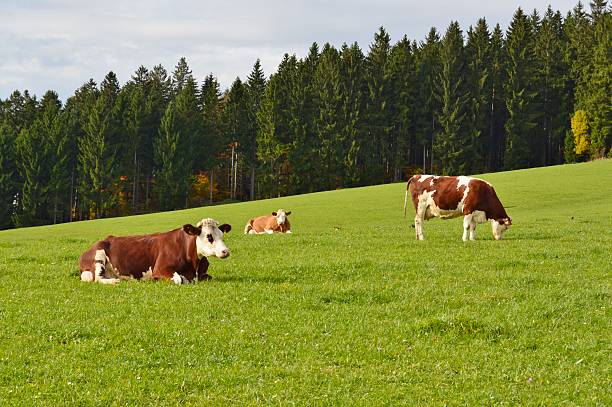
(456, 102)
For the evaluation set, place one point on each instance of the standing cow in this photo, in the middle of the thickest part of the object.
(178, 255)
(450, 197)
(277, 222)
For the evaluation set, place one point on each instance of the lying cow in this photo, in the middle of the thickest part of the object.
(277, 222)
(450, 197)
(178, 255)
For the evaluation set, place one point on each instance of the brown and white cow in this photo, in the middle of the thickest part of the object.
(178, 255)
(277, 222)
(450, 197)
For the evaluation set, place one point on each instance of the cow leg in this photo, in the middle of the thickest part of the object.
(202, 271)
(269, 231)
(473, 230)
(173, 276)
(100, 274)
(419, 219)
(467, 227)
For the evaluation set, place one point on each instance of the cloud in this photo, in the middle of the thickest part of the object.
(61, 44)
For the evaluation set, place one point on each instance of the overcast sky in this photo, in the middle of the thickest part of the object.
(60, 44)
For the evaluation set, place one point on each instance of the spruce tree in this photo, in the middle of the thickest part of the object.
(326, 84)
(428, 106)
(520, 94)
(451, 145)
(478, 78)
(8, 175)
(256, 86)
(376, 145)
(402, 75)
(353, 93)
(170, 170)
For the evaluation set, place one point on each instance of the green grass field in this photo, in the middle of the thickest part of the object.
(349, 310)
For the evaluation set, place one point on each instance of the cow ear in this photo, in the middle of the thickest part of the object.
(288, 213)
(274, 213)
(192, 230)
(225, 228)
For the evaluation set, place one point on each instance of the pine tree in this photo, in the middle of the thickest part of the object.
(402, 74)
(353, 94)
(451, 146)
(210, 96)
(428, 106)
(8, 175)
(553, 92)
(376, 145)
(496, 99)
(520, 95)
(256, 86)
(97, 156)
(326, 84)
(478, 78)
(170, 170)
(236, 128)
(181, 75)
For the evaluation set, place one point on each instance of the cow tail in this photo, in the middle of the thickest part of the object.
(406, 196)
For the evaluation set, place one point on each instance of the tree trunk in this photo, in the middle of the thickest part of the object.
(211, 184)
(252, 194)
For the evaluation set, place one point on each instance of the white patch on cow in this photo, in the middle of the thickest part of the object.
(498, 229)
(288, 231)
(177, 278)
(204, 247)
(87, 276)
(479, 217)
(269, 231)
(422, 178)
(463, 181)
(100, 268)
(147, 275)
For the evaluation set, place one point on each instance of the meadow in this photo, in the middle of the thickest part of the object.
(348, 310)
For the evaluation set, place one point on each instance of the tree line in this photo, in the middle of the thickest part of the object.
(459, 103)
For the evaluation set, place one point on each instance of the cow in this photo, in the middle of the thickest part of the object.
(277, 222)
(449, 197)
(179, 255)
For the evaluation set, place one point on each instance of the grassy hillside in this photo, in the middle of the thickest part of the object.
(350, 309)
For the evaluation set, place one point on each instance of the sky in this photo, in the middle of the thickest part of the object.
(61, 44)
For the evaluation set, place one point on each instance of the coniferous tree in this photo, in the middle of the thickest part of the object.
(326, 84)
(236, 128)
(353, 94)
(478, 78)
(299, 171)
(97, 154)
(210, 96)
(520, 93)
(376, 146)
(553, 92)
(428, 57)
(8, 175)
(401, 71)
(451, 144)
(170, 169)
(256, 87)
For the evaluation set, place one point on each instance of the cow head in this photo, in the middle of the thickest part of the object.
(500, 226)
(281, 216)
(209, 238)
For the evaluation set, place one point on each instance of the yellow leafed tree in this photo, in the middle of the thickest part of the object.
(580, 130)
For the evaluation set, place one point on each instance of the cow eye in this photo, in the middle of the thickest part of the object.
(210, 238)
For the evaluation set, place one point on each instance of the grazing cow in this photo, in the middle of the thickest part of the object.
(178, 255)
(450, 197)
(277, 222)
